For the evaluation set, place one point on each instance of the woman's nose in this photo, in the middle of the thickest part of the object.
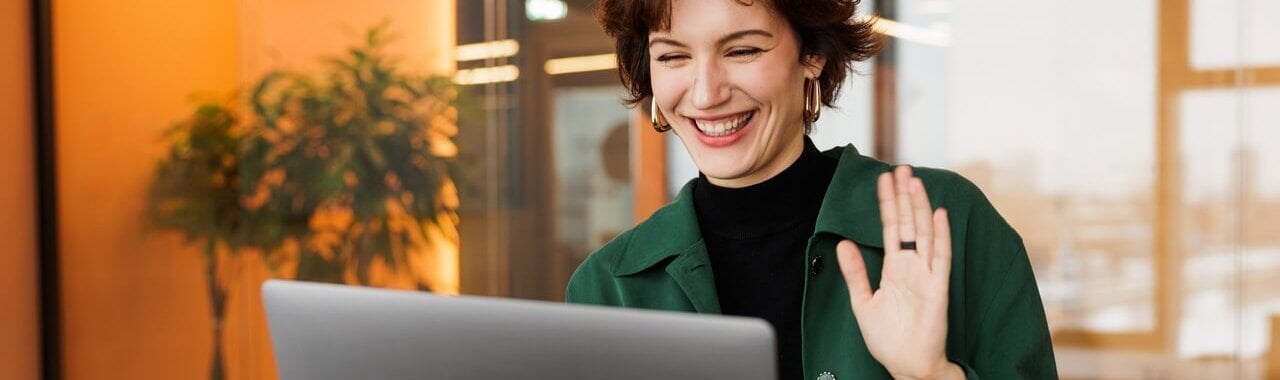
(710, 87)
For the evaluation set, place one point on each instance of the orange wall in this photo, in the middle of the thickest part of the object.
(123, 73)
(294, 33)
(135, 305)
(19, 310)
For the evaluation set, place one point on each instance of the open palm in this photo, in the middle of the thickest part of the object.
(904, 321)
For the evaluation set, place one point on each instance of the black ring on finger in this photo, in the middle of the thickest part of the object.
(908, 246)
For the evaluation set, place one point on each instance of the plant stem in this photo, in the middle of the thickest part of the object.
(217, 301)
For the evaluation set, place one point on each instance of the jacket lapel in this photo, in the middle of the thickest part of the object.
(692, 271)
(672, 231)
(850, 210)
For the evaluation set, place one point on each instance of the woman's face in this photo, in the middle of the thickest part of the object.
(728, 78)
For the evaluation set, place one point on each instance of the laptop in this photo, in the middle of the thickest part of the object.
(322, 331)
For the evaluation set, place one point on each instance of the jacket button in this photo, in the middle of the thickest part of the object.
(815, 265)
(826, 376)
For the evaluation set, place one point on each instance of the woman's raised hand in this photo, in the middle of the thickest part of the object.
(904, 321)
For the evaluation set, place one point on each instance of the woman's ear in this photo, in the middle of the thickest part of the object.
(813, 65)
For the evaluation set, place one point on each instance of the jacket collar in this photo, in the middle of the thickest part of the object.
(670, 231)
(849, 209)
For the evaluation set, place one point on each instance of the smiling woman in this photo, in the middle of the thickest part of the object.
(740, 83)
(770, 55)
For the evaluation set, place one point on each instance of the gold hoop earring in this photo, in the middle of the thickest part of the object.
(812, 100)
(659, 122)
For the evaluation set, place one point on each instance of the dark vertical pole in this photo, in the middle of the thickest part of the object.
(885, 79)
(46, 190)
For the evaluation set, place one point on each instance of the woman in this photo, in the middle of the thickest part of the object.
(930, 284)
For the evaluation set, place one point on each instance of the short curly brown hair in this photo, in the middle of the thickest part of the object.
(825, 28)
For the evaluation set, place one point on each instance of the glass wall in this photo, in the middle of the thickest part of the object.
(552, 164)
(1128, 142)
(205, 146)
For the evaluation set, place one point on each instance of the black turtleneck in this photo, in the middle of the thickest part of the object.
(756, 238)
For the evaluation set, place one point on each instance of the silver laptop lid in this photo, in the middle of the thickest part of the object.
(324, 331)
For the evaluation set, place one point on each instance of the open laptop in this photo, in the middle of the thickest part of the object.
(322, 331)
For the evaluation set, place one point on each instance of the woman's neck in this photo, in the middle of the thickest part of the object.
(792, 196)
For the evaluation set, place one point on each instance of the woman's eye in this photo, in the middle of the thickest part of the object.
(745, 52)
(670, 57)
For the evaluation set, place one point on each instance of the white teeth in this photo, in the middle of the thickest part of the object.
(723, 128)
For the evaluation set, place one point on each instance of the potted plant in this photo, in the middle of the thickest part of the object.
(342, 176)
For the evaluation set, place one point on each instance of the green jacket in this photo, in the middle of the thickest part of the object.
(996, 322)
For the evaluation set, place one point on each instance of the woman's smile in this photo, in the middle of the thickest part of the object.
(723, 130)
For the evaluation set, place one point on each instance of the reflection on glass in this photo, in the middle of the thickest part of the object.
(592, 153)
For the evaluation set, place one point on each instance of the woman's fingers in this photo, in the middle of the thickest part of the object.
(855, 273)
(922, 214)
(906, 220)
(888, 211)
(908, 216)
(941, 260)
